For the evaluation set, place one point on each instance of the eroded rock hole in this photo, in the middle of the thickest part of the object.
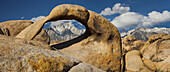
(64, 30)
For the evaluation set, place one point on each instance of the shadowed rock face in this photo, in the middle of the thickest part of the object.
(100, 45)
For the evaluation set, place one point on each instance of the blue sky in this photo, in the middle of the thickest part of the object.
(140, 12)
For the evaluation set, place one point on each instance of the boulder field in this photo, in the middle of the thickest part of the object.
(25, 46)
(151, 56)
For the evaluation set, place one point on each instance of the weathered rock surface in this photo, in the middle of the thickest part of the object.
(66, 11)
(18, 55)
(154, 38)
(14, 27)
(102, 48)
(100, 45)
(42, 37)
(149, 64)
(156, 52)
(131, 43)
(163, 66)
(154, 44)
(84, 67)
(134, 61)
(161, 55)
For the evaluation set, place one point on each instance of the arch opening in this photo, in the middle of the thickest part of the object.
(64, 33)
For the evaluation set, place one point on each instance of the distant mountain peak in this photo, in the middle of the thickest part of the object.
(63, 32)
(145, 33)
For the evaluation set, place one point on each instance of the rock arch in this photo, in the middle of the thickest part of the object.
(100, 45)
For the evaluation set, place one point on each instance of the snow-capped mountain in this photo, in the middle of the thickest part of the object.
(67, 31)
(145, 33)
(63, 32)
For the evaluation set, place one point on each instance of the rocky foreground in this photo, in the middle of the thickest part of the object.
(150, 56)
(25, 47)
(22, 55)
(36, 55)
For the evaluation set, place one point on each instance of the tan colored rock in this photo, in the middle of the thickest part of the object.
(153, 38)
(146, 70)
(151, 50)
(142, 49)
(65, 11)
(133, 61)
(164, 66)
(102, 49)
(17, 55)
(31, 31)
(149, 64)
(165, 44)
(43, 37)
(130, 43)
(128, 40)
(84, 67)
(14, 27)
(55, 42)
(156, 37)
(138, 44)
(161, 55)
(100, 45)
(156, 53)
(167, 37)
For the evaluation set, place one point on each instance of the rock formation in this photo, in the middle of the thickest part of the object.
(153, 56)
(19, 55)
(134, 62)
(14, 27)
(156, 50)
(84, 67)
(24, 46)
(100, 45)
(131, 43)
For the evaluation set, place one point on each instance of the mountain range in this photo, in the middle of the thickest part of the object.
(67, 31)
(64, 32)
(144, 33)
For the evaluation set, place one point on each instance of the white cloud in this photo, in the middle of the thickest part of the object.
(60, 22)
(54, 23)
(34, 19)
(155, 17)
(22, 17)
(127, 19)
(131, 18)
(117, 8)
